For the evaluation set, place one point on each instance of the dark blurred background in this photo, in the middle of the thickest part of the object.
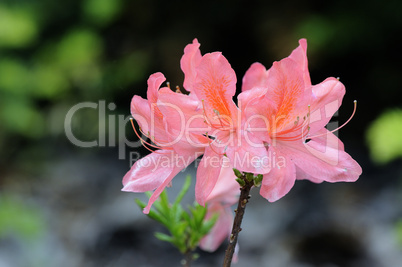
(78, 63)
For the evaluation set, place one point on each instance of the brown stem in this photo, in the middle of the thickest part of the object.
(244, 196)
(188, 257)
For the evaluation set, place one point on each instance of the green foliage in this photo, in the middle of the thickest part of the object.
(399, 232)
(20, 116)
(18, 27)
(186, 228)
(13, 74)
(384, 137)
(243, 177)
(101, 12)
(16, 218)
(54, 56)
(79, 47)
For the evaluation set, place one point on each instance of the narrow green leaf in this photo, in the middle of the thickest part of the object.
(241, 182)
(141, 204)
(199, 213)
(179, 229)
(237, 173)
(164, 200)
(186, 216)
(164, 237)
(176, 213)
(208, 224)
(184, 190)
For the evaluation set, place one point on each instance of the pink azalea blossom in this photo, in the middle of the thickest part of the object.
(172, 154)
(213, 82)
(175, 125)
(277, 129)
(289, 115)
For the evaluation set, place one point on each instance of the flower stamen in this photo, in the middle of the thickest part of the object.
(296, 128)
(337, 129)
(209, 144)
(144, 143)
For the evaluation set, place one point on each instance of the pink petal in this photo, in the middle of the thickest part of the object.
(154, 83)
(299, 55)
(141, 112)
(151, 125)
(207, 174)
(259, 115)
(286, 87)
(226, 189)
(182, 113)
(256, 76)
(301, 175)
(216, 85)
(278, 182)
(155, 171)
(247, 153)
(327, 98)
(160, 189)
(189, 61)
(248, 97)
(327, 138)
(220, 231)
(324, 161)
(148, 173)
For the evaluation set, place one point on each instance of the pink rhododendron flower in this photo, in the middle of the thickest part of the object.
(213, 81)
(290, 116)
(179, 127)
(277, 129)
(173, 154)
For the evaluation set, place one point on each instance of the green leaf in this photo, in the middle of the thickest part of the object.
(208, 224)
(186, 216)
(199, 213)
(186, 228)
(164, 237)
(184, 190)
(258, 180)
(176, 213)
(179, 229)
(249, 176)
(237, 173)
(162, 206)
(241, 182)
(164, 200)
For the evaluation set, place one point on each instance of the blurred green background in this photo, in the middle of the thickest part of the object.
(55, 55)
